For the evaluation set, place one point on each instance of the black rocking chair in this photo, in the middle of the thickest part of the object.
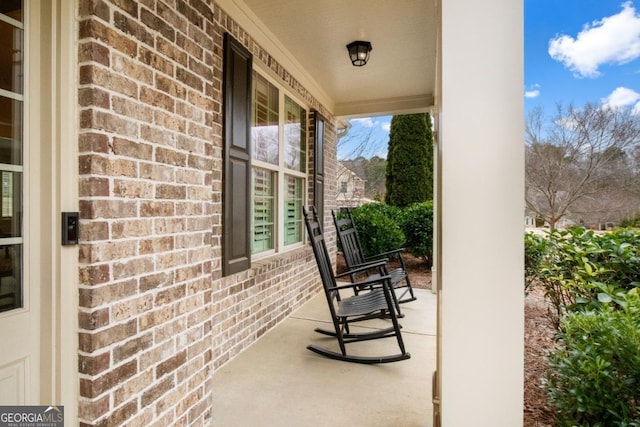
(354, 258)
(375, 303)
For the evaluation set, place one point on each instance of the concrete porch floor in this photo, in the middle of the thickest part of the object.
(277, 382)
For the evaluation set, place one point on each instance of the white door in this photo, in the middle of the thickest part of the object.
(20, 305)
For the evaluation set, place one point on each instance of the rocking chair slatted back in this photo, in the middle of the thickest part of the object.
(349, 240)
(322, 258)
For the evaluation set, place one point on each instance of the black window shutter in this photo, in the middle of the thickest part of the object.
(318, 166)
(236, 219)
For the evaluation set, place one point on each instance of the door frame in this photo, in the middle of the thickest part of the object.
(52, 120)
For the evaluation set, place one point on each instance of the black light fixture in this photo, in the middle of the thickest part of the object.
(359, 52)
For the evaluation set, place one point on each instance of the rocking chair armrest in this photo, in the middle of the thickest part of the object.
(384, 254)
(362, 268)
(367, 282)
(370, 264)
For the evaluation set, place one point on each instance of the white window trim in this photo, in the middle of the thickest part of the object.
(281, 171)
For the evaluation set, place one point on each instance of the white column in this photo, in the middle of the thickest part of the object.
(482, 213)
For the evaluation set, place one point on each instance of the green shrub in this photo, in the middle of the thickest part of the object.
(594, 373)
(417, 224)
(620, 256)
(378, 228)
(582, 270)
(536, 248)
(382, 227)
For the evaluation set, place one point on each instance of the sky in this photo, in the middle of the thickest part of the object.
(576, 51)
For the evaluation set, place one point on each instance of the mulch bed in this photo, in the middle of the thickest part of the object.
(538, 341)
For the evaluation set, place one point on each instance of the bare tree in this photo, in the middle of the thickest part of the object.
(361, 144)
(578, 163)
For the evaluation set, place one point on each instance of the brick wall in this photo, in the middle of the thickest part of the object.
(156, 316)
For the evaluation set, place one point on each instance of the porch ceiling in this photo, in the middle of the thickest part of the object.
(400, 76)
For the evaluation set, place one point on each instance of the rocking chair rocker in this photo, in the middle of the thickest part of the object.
(375, 303)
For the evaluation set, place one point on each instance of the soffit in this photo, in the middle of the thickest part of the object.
(401, 73)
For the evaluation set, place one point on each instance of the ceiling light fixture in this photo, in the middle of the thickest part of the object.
(359, 52)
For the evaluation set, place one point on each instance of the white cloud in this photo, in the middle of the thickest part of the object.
(369, 122)
(366, 122)
(532, 93)
(622, 97)
(613, 40)
(567, 122)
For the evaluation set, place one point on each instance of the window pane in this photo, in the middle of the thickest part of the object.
(12, 8)
(10, 57)
(10, 204)
(10, 131)
(263, 210)
(295, 135)
(6, 202)
(10, 277)
(293, 210)
(264, 120)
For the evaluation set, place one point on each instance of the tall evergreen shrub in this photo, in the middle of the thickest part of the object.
(409, 175)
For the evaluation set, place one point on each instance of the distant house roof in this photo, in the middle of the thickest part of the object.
(350, 188)
(343, 170)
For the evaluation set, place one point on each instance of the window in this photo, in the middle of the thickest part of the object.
(295, 133)
(279, 156)
(263, 210)
(293, 210)
(11, 165)
(264, 126)
(343, 186)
